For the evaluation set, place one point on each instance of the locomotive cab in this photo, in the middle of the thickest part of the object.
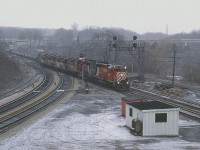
(114, 75)
(120, 77)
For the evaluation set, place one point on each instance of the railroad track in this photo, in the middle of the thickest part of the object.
(24, 84)
(188, 108)
(21, 109)
(28, 96)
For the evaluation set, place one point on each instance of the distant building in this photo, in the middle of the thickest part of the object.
(152, 118)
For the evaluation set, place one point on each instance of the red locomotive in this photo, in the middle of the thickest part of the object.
(107, 74)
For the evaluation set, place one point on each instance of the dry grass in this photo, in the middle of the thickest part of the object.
(10, 72)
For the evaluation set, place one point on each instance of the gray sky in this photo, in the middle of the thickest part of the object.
(137, 15)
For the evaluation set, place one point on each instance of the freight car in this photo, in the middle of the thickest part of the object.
(114, 76)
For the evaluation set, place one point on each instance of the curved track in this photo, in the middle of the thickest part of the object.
(13, 113)
(27, 97)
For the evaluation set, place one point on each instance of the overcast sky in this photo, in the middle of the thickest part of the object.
(137, 15)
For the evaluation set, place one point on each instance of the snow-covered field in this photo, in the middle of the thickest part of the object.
(93, 121)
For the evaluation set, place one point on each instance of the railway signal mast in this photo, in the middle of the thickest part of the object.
(135, 48)
(81, 57)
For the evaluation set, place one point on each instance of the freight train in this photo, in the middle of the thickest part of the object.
(114, 76)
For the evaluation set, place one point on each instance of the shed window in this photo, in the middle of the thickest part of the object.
(130, 112)
(161, 117)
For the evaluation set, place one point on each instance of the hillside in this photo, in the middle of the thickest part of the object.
(10, 72)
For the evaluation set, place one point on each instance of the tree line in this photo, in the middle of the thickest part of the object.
(96, 43)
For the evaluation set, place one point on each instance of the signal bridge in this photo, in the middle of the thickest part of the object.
(135, 48)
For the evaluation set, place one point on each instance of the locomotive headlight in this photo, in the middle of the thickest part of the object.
(117, 82)
(127, 82)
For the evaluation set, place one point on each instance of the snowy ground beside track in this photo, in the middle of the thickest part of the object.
(93, 121)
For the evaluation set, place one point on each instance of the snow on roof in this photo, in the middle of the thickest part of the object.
(150, 105)
(132, 97)
(111, 66)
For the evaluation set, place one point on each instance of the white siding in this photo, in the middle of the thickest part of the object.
(152, 128)
(137, 115)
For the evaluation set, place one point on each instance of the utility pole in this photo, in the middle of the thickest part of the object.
(166, 29)
(82, 73)
(174, 63)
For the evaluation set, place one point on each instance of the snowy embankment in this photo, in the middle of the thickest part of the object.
(90, 121)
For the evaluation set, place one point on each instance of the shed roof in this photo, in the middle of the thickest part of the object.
(150, 105)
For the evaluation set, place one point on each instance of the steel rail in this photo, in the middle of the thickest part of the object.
(19, 117)
(187, 108)
(27, 97)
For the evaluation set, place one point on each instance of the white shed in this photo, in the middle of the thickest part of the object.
(152, 118)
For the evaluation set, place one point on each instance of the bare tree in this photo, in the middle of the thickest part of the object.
(103, 40)
(2, 35)
(34, 36)
(74, 28)
(65, 37)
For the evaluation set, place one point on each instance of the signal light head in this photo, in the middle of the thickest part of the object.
(134, 37)
(114, 38)
(135, 45)
(81, 55)
(114, 45)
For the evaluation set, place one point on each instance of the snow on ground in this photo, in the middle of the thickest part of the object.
(195, 96)
(90, 121)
